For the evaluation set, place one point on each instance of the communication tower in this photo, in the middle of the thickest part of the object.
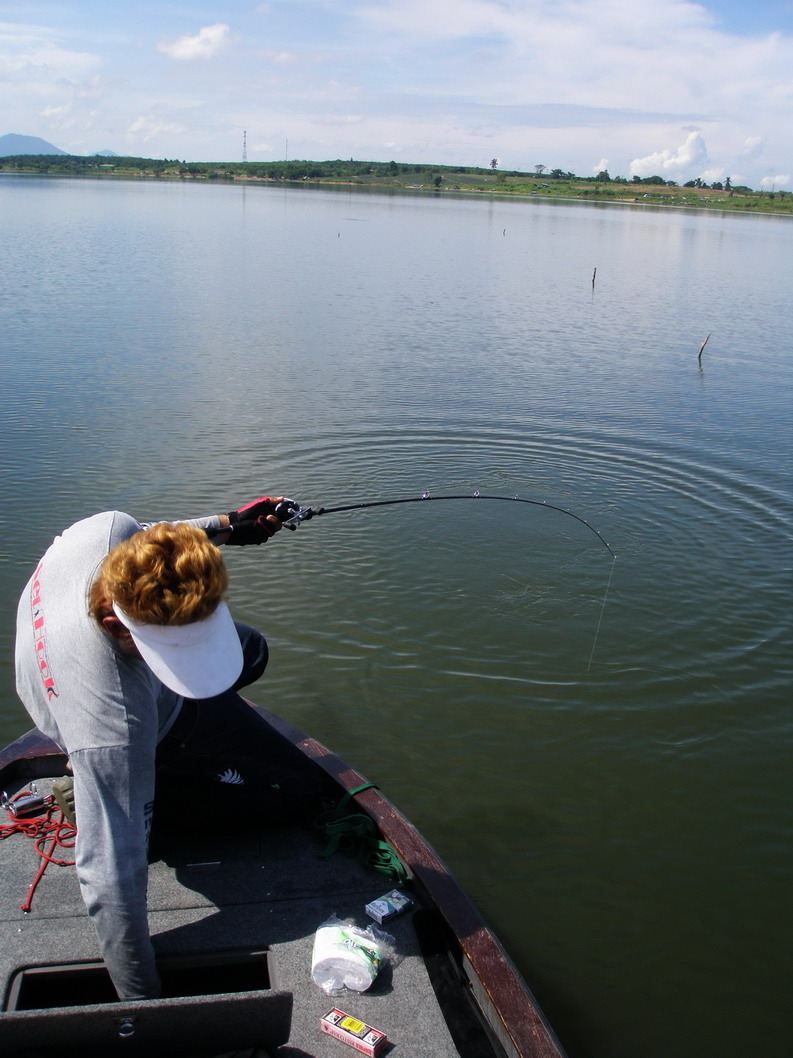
(245, 146)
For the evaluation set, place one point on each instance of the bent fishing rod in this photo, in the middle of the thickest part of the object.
(292, 514)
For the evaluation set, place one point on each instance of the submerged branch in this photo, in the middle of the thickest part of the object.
(702, 347)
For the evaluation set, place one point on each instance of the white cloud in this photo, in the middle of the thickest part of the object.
(710, 176)
(55, 114)
(689, 155)
(282, 58)
(285, 57)
(771, 182)
(44, 60)
(339, 119)
(443, 19)
(602, 166)
(209, 41)
(753, 147)
(143, 129)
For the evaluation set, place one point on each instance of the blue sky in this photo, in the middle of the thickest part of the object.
(637, 87)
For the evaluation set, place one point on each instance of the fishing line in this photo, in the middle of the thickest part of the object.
(301, 514)
(602, 609)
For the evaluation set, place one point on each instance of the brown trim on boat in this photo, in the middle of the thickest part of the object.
(31, 756)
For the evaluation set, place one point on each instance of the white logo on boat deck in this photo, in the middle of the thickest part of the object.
(232, 776)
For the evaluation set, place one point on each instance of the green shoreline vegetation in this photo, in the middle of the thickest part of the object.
(435, 179)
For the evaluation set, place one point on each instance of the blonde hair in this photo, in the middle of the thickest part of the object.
(168, 574)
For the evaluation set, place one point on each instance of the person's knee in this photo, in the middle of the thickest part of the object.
(255, 654)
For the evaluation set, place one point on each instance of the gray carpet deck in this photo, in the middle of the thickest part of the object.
(215, 892)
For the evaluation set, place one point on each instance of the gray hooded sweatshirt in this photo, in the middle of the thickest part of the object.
(108, 712)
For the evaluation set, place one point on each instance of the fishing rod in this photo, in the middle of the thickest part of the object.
(292, 514)
(297, 514)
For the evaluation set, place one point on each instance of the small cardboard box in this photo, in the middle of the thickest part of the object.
(354, 1033)
(388, 906)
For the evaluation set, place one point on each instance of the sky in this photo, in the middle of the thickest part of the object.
(636, 87)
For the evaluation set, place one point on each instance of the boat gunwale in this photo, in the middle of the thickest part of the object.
(521, 1027)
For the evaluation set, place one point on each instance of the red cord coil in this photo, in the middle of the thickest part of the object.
(49, 831)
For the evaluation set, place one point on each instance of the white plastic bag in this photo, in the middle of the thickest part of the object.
(347, 957)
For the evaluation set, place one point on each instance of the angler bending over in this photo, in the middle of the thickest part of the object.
(128, 658)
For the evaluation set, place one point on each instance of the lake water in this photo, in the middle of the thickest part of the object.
(600, 749)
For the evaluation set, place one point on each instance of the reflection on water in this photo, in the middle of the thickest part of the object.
(610, 782)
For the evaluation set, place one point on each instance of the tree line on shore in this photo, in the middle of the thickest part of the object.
(542, 180)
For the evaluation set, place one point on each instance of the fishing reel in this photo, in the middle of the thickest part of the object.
(291, 514)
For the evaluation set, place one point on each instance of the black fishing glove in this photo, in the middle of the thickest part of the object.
(260, 508)
(250, 531)
(258, 520)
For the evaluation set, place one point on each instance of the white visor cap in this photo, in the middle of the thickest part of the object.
(197, 660)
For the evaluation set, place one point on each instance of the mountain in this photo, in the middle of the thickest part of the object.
(14, 144)
(106, 154)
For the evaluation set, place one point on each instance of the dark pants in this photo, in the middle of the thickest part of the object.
(223, 760)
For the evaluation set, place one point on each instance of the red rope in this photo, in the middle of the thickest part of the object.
(48, 827)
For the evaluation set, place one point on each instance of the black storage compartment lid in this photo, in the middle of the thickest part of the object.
(190, 1024)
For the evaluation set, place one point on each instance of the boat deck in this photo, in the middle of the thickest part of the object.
(233, 918)
(265, 891)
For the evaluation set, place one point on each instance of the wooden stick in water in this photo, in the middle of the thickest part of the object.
(702, 347)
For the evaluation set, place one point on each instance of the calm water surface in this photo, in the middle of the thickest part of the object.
(607, 771)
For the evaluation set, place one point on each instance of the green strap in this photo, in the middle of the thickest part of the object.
(382, 857)
(356, 790)
(357, 832)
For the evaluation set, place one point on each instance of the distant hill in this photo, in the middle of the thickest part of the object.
(106, 154)
(14, 144)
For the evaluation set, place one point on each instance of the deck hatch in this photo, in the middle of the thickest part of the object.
(88, 983)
